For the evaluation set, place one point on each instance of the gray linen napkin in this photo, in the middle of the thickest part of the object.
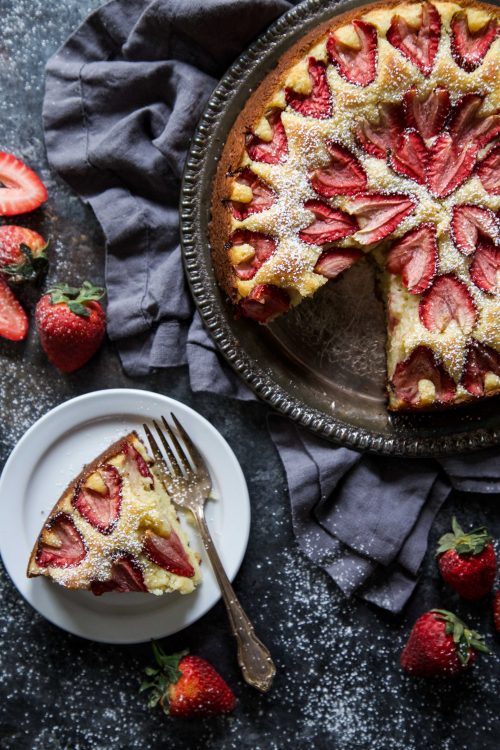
(123, 96)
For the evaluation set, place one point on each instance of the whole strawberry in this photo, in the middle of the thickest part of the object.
(187, 686)
(467, 561)
(71, 324)
(22, 253)
(440, 645)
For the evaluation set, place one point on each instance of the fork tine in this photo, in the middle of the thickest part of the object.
(161, 463)
(196, 456)
(174, 465)
(178, 447)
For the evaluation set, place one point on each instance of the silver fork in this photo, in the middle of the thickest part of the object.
(189, 485)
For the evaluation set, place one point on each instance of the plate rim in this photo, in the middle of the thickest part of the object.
(207, 296)
(127, 393)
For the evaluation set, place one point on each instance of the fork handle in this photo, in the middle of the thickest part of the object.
(253, 657)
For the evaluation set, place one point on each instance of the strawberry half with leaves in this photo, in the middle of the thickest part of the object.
(13, 319)
(21, 189)
(467, 561)
(440, 645)
(22, 253)
(71, 324)
(187, 686)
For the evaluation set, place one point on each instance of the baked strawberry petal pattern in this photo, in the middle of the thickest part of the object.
(421, 365)
(449, 165)
(67, 551)
(447, 301)
(469, 48)
(485, 267)
(419, 43)
(101, 510)
(263, 196)
(427, 115)
(357, 65)
(481, 360)
(414, 258)
(273, 151)
(378, 139)
(378, 214)
(126, 575)
(141, 464)
(469, 222)
(332, 262)
(410, 156)
(264, 303)
(343, 176)
(330, 224)
(488, 171)
(318, 103)
(467, 126)
(263, 245)
(168, 553)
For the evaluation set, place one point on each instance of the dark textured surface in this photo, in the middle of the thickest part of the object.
(339, 684)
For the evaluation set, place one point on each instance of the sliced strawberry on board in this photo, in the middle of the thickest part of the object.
(485, 267)
(318, 103)
(467, 126)
(427, 114)
(167, 553)
(357, 65)
(468, 223)
(377, 139)
(263, 196)
(330, 224)
(21, 190)
(414, 258)
(481, 359)
(264, 303)
(420, 42)
(421, 365)
(13, 319)
(469, 47)
(126, 575)
(273, 151)
(488, 171)
(67, 551)
(449, 165)
(448, 300)
(332, 262)
(344, 175)
(378, 214)
(263, 245)
(101, 510)
(410, 156)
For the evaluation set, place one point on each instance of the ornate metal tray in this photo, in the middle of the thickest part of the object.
(323, 364)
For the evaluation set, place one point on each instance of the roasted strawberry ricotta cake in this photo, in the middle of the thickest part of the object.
(378, 131)
(115, 529)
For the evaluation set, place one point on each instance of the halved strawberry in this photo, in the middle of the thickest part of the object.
(485, 267)
(421, 365)
(101, 510)
(481, 359)
(469, 48)
(469, 222)
(378, 214)
(449, 165)
(488, 171)
(168, 553)
(414, 258)
(332, 262)
(420, 42)
(356, 64)
(126, 575)
(466, 125)
(13, 319)
(21, 190)
(447, 300)
(273, 151)
(141, 464)
(344, 175)
(427, 114)
(264, 303)
(330, 224)
(410, 156)
(319, 102)
(263, 245)
(68, 551)
(377, 139)
(263, 195)
(22, 253)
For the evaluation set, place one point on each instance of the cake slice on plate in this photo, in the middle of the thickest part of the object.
(114, 528)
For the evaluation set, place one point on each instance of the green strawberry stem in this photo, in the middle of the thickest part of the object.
(464, 543)
(30, 267)
(161, 679)
(464, 638)
(75, 298)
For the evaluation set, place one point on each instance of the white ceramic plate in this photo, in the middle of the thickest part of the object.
(45, 460)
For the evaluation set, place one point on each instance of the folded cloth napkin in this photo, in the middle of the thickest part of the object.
(123, 96)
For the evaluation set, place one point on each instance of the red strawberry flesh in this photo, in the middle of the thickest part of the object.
(357, 65)
(485, 267)
(264, 303)
(68, 551)
(414, 258)
(421, 365)
(167, 553)
(332, 262)
(330, 224)
(378, 214)
(141, 464)
(469, 48)
(468, 126)
(126, 575)
(263, 196)
(469, 223)
(410, 156)
(263, 245)
(377, 139)
(488, 171)
(101, 510)
(447, 301)
(449, 165)
(428, 114)
(481, 360)
(318, 103)
(344, 175)
(13, 319)
(419, 43)
(21, 190)
(273, 151)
